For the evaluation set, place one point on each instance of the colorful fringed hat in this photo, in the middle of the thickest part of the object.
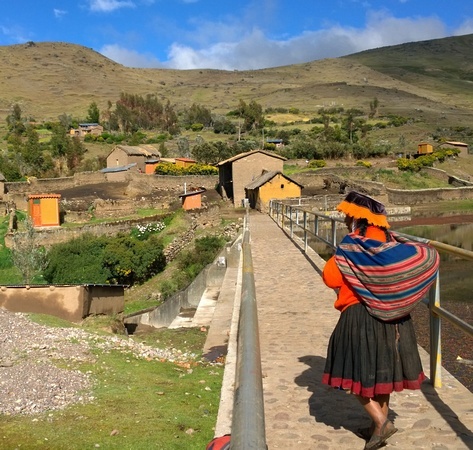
(360, 206)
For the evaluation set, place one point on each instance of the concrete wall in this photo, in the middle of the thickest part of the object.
(212, 275)
(71, 303)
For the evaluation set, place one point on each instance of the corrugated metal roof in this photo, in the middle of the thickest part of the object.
(117, 168)
(189, 194)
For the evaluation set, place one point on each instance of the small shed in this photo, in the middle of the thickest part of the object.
(424, 148)
(44, 209)
(150, 166)
(192, 199)
(271, 185)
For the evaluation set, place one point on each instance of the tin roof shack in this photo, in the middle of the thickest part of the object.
(192, 199)
(44, 209)
(239, 171)
(271, 185)
(150, 166)
(124, 155)
(69, 302)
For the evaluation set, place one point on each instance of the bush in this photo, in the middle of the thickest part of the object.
(104, 260)
(316, 163)
(366, 164)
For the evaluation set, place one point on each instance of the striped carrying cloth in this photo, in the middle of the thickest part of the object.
(389, 277)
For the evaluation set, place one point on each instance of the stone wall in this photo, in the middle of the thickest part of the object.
(422, 196)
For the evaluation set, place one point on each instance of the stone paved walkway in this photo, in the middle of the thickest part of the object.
(296, 317)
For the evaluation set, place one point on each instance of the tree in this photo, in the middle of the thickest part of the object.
(93, 115)
(27, 256)
(15, 122)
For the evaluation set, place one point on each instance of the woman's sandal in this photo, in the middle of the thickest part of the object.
(365, 433)
(377, 440)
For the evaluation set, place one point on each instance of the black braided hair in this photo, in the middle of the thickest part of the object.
(362, 225)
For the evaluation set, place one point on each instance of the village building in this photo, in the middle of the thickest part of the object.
(239, 171)
(150, 166)
(44, 209)
(87, 128)
(271, 185)
(124, 155)
(192, 199)
(184, 162)
(117, 174)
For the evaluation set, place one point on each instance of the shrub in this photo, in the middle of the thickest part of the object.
(366, 164)
(316, 163)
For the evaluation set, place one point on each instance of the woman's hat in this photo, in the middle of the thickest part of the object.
(360, 206)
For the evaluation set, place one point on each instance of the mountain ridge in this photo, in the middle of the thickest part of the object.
(428, 78)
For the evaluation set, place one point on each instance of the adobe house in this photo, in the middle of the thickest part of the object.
(184, 162)
(87, 128)
(117, 173)
(44, 209)
(271, 185)
(236, 173)
(69, 302)
(192, 199)
(123, 155)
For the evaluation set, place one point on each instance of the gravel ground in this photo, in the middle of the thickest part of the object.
(31, 381)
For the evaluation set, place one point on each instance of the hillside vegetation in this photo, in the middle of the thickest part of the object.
(430, 80)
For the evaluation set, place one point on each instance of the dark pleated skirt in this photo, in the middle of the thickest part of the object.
(370, 357)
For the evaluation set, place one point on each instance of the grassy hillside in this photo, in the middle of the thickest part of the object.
(48, 79)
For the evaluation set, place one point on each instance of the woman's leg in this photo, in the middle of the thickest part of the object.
(376, 409)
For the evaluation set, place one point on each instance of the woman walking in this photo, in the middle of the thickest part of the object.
(378, 278)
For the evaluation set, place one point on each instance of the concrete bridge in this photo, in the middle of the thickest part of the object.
(296, 317)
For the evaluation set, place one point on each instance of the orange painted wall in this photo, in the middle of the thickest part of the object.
(44, 211)
(192, 201)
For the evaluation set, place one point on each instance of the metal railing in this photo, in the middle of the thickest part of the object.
(303, 226)
(248, 424)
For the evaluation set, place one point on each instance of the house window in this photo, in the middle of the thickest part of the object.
(282, 186)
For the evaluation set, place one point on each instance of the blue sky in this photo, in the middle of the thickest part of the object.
(231, 34)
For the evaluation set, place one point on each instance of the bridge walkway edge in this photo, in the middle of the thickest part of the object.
(296, 317)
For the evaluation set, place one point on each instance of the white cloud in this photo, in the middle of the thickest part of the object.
(254, 50)
(59, 13)
(110, 5)
(229, 45)
(130, 58)
(465, 28)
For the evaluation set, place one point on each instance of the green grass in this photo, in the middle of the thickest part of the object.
(138, 403)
